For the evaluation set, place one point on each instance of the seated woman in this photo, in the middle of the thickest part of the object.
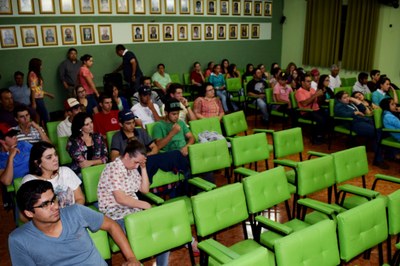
(207, 105)
(87, 106)
(85, 147)
(232, 72)
(218, 82)
(328, 94)
(43, 164)
(368, 104)
(281, 93)
(248, 72)
(390, 118)
(209, 70)
(118, 102)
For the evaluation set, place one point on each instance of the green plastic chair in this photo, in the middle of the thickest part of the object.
(90, 179)
(234, 88)
(159, 229)
(63, 154)
(235, 123)
(215, 211)
(201, 125)
(348, 89)
(314, 245)
(149, 128)
(272, 104)
(386, 140)
(100, 240)
(175, 78)
(109, 136)
(52, 131)
(187, 83)
(298, 119)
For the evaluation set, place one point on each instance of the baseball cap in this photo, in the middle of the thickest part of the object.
(144, 90)
(172, 105)
(71, 103)
(126, 115)
(314, 72)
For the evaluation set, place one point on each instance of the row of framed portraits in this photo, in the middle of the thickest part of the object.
(199, 7)
(29, 35)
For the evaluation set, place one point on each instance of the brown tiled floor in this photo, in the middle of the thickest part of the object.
(180, 256)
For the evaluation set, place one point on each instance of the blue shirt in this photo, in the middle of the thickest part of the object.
(30, 246)
(21, 159)
(21, 94)
(378, 96)
(392, 122)
(217, 81)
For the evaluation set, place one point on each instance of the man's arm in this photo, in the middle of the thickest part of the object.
(134, 64)
(42, 134)
(18, 253)
(190, 140)
(61, 71)
(154, 111)
(119, 237)
(114, 154)
(119, 68)
(7, 174)
(162, 142)
(312, 98)
(154, 149)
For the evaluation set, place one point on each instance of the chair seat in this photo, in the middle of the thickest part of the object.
(344, 130)
(268, 238)
(315, 216)
(354, 201)
(305, 121)
(244, 171)
(392, 142)
(277, 113)
(292, 188)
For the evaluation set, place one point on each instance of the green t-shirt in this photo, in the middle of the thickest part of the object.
(161, 130)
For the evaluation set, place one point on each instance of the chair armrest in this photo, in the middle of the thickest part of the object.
(387, 178)
(398, 245)
(274, 226)
(245, 171)
(287, 163)
(391, 130)
(304, 110)
(277, 103)
(202, 184)
(217, 251)
(318, 206)
(343, 118)
(363, 192)
(317, 154)
(261, 130)
(154, 198)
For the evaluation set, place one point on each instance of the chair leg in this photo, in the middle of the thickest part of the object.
(389, 248)
(191, 255)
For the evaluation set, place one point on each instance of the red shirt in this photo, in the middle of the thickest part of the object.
(106, 122)
(196, 77)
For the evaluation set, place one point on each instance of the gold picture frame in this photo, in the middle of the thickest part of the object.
(29, 36)
(184, 6)
(182, 32)
(247, 8)
(8, 37)
(244, 31)
(209, 31)
(26, 7)
(236, 7)
(155, 6)
(211, 7)
(137, 32)
(46, 7)
(198, 7)
(105, 33)
(139, 6)
(122, 7)
(86, 6)
(6, 7)
(170, 7)
(233, 31)
(49, 35)
(68, 33)
(67, 6)
(257, 8)
(255, 31)
(87, 34)
(153, 32)
(224, 8)
(221, 32)
(196, 32)
(104, 6)
(168, 32)
(267, 9)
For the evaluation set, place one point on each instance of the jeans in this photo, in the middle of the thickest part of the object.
(42, 111)
(262, 105)
(223, 96)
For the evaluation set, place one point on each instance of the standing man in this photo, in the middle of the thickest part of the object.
(20, 91)
(107, 119)
(63, 231)
(72, 107)
(130, 67)
(146, 110)
(256, 89)
(68, 71)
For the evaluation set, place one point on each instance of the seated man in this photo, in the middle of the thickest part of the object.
(155, 98)
(172, 133)
(375, 75)
(61, 231)
(7, 106)
(28, 130)
(175, 91)
(20, 91)
(361, 83)
(146, 110)
(119, 183)
(14, 157)
(160, 79)
(308, 99)
(72, 107)
(256, 89)
(107, 119)
(334, 79)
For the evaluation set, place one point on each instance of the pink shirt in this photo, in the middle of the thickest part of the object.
(302, 95)
(85, 72)
(282, 91)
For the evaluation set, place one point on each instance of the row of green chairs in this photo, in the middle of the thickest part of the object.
(347, 82)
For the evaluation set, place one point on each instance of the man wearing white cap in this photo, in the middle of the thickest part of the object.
(72, 107)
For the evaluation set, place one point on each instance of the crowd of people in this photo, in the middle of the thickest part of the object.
(134, 156)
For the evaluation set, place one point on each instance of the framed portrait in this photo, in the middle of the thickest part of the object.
(29, 36)
(5, 7)
(247, 9)
(184, 6)
(168, 32)
(8, 37)
(267, 9)
(244, 31)
(224, 8)
(104, 6)
(255, 31)
(105, 33)
(235, 7)
(122, 7)
(155, 6)
(67, 6)
(25, 7)
(86, 6)
(68, 34)
(139, 6)
(49, 35)
(87, 34)
(153, 32)
(257, 8)
(46, 6)
(196, 32)
(221, 31)
(137, 33)
(211, 7)
(198, 7)
(170, 7)
(182, 32)
(233, 31)
(209, 31)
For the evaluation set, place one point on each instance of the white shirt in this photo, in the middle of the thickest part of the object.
(314, 85)
(334, 82)
(144, 113)
(64, 128)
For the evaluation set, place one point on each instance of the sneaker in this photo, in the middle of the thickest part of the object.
(382, 165)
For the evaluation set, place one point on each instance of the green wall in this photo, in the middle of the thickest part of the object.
(177, 56)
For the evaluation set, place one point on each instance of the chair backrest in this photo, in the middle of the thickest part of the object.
(314, 245)
(162, 178)
(350, 163)
(378, 118)
(100, 240)
(17, 184)
(158, 229)
(266, 189)
(368, 96)
(393, 207)
(361, 228)
(52, 131)
(149, 128)
(175, 78)
(186, 79)
(293, 101)
(234, 123)
(269, 98)
(315, 175)
(248, 149)
(348, 89)
(288, 142)
(201, 125)
(218, 209)
(109, 136)
(63, 154)
(331, 107)
(234, 84)
(209, 156)
(90, 179)
(258, 256)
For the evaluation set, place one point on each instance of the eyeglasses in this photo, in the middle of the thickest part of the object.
(46, 204)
